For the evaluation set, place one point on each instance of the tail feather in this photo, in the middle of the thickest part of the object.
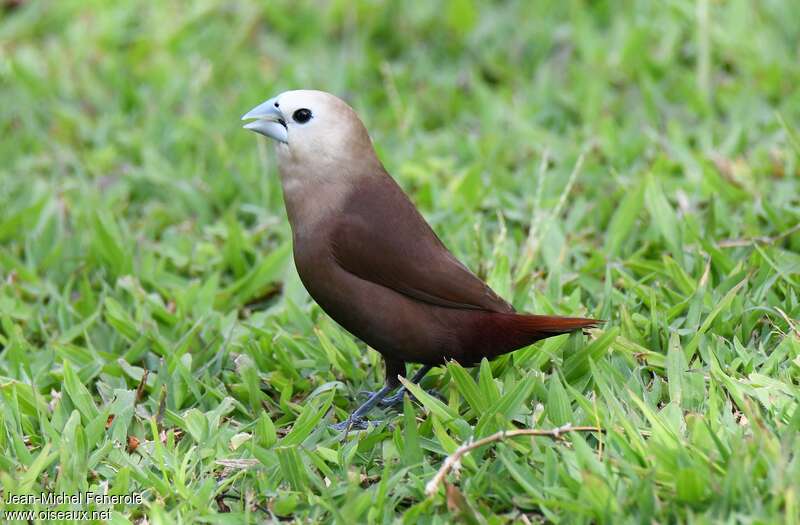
(552, 324)
(500, 333)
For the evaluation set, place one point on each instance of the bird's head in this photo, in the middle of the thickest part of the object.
(311, 127)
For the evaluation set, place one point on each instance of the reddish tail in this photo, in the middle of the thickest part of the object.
(550, 325)
(500, 333)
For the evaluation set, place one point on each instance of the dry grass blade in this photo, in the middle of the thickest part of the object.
(455, 458)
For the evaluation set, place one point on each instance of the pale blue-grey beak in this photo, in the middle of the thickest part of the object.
(268, 121)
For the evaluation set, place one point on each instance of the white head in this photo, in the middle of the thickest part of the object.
(323, 150)
(312, 128)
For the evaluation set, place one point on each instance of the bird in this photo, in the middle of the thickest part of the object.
(367, 256)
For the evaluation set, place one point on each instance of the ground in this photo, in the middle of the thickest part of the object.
(631, 161)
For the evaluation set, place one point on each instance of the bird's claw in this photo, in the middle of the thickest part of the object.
(352, 423)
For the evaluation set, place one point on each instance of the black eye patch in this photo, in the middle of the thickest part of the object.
(301, 116)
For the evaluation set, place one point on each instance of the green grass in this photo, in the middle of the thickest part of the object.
(141, 229)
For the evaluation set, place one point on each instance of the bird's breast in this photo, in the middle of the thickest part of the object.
(312, 206)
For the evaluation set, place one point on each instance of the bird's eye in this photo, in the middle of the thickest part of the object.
(301, 116)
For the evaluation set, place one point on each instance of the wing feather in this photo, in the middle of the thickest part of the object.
(381, 237)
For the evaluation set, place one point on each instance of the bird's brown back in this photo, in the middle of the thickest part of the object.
(381, 236)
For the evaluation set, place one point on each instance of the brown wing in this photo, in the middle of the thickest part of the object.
(381, 237)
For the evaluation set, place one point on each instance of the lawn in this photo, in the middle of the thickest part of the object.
(636, 162)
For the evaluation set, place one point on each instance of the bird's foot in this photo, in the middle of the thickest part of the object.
(397, 399)
(353, 423)
(387, 401)
(394, 400)
(365, 393)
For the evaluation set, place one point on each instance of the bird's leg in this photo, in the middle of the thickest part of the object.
(356, 419)
(393, 369)
(398, 397)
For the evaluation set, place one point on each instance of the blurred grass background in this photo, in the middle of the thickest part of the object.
(142, 230)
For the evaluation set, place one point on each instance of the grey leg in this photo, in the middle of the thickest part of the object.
(356, 419)
(398, 397)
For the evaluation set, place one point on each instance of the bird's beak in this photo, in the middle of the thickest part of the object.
(269, 121)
